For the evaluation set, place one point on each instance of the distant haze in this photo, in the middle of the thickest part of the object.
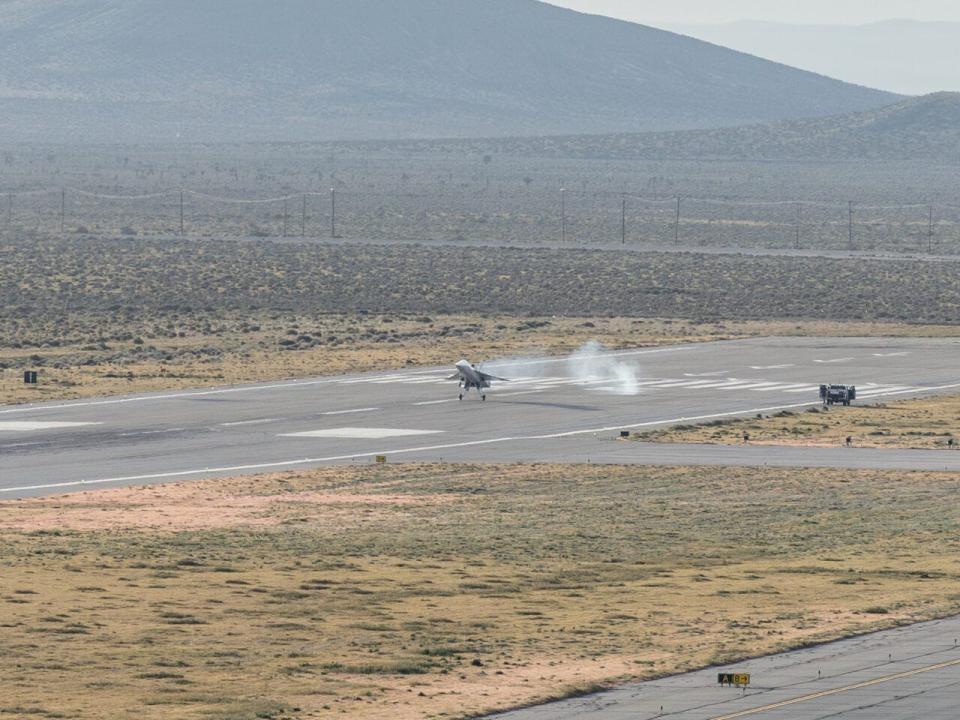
(903, 56)
(811, 12)
(903, 46)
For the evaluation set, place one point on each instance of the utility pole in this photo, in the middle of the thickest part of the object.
(303, 218)
(333, 212)
(623, 220)
(796, 242)
(850, 223)
(181, 213)
(63, 210)
(563, 215)
(676, 225)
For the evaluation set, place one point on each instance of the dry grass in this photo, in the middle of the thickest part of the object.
(927, 423)
(100, 356)
(417, 591)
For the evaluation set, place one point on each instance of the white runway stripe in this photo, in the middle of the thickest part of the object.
(789, 388)
(250, 422)
(752, 386)
(351, 412)
(878, 391)
(31, 426)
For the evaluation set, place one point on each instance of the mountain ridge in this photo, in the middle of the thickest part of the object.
(247, 70)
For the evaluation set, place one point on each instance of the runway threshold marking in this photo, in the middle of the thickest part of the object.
(403, 451)
(837, 691)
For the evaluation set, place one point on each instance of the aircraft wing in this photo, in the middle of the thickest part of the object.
(455, 376)
(488, 377)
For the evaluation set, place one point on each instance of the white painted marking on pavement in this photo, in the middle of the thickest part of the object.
(835, 360)
(751, 386)
(31, 426)
(772, 367)
(152, 432)
(250, 422)
(358, 433)
(350, 412)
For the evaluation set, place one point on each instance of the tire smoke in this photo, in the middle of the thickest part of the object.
(591, 364)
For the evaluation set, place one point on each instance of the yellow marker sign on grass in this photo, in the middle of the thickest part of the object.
(381, 459)
(736, 679)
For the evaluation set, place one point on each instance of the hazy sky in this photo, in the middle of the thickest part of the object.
(809, 11)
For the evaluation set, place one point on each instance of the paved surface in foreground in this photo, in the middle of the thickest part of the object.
(554, 410)
(910, 672)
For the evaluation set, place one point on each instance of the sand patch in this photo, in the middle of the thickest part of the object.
(204, 505)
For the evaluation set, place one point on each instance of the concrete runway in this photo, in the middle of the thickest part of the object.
(910, 672)
(554, 410)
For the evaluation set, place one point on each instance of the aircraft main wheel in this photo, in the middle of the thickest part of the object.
(484, 398)
(461, 396)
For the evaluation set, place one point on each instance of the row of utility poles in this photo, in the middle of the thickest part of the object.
(286, 213)
(798, 222)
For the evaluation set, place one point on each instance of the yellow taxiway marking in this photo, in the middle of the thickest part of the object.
(836, 691)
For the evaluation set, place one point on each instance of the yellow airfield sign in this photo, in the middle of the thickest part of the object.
(734, 679)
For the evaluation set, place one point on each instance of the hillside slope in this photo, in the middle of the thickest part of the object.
(924, 128)
(139, 70)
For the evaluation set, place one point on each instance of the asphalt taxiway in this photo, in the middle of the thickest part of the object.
(903, 674)
(553, 410)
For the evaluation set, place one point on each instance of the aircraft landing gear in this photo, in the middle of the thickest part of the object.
(461, 397)
(483, 397)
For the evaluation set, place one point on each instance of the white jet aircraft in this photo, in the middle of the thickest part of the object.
(471, 376)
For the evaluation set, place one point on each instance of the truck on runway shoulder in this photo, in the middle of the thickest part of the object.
(838, 394)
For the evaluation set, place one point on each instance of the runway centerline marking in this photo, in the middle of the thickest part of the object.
(837, 691)
(404, 451)
(152, 432)
(351, 412)
(238, 423)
